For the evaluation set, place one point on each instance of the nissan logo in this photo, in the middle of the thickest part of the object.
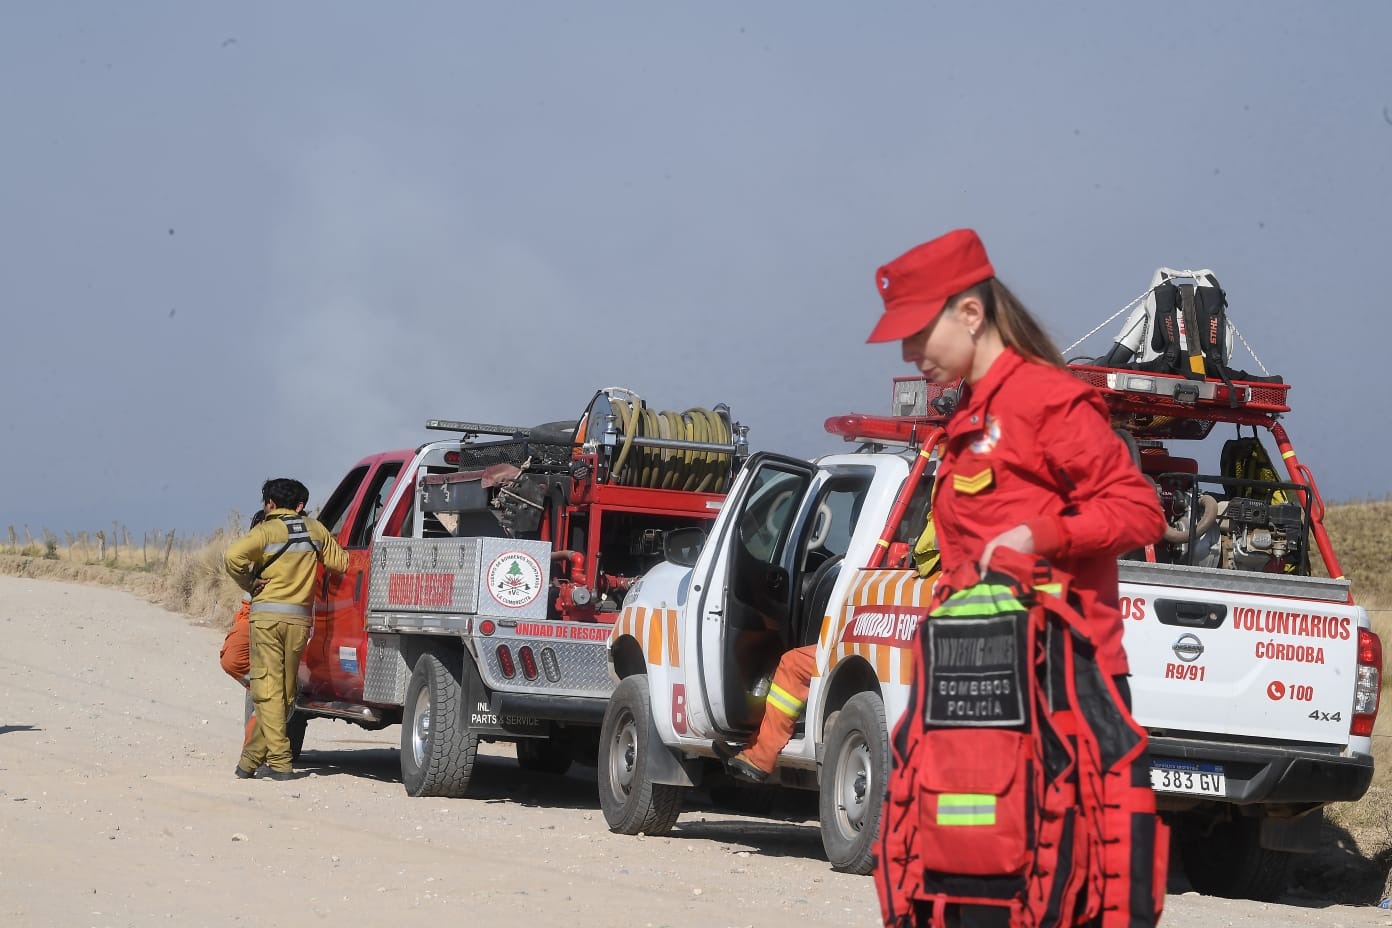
(1188, 648)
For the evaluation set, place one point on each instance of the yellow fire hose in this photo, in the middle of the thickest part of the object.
(670, 468)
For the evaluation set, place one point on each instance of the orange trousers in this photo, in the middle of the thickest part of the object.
(235, 657)
(787, 696)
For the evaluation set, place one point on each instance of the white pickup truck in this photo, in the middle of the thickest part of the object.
(1257, 679)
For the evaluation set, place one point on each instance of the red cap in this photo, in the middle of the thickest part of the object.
(916, 285)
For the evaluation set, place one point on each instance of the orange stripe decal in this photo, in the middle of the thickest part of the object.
(655, 638)
(640, 616)
(673, 648)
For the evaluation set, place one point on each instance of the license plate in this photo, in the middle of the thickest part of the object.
(1179, 776)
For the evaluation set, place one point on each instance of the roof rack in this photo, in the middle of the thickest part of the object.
(1158, 405)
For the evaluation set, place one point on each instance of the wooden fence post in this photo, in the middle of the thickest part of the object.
(168, 546)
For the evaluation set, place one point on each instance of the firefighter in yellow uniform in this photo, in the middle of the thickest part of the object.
(276, 562)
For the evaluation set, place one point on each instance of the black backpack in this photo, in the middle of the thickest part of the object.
(1181, 328)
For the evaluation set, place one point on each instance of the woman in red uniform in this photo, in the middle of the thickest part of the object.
(1031, 463)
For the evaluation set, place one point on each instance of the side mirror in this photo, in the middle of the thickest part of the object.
(682, 546)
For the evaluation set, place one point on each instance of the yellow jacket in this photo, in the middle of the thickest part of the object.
(288, 595)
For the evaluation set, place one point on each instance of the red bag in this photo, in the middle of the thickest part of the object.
(1019, 795)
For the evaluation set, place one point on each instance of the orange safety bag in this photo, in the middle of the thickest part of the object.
(1019, 794)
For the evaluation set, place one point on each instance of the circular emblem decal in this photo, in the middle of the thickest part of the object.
(514, 579)
(1188, 648)
(990, 436)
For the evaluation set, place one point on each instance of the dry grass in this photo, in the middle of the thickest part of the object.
(183, 573)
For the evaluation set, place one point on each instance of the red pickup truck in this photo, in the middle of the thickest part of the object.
(486, 571)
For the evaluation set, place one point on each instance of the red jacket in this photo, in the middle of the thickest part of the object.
(1033, 444)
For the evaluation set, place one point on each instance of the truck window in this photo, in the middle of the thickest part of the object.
(374, 503)
(400, 525)
(335, 512)
(835, 518)
(772, 505)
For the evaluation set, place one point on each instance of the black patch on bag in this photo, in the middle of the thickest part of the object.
(975, 672)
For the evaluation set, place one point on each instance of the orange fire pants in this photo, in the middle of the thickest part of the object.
(787, 696)
(235, 657)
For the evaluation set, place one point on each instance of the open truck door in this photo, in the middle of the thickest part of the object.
(747, 591)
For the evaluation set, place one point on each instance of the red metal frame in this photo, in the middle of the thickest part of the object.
(1300, 474)
(593, 499)
(1267, 401)
(901, 502)
(1146, 415)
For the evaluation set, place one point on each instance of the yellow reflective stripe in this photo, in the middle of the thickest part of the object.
(882, 543)
(966, 809)
(784, 701)
(1288, 454)
(982, 599)
(1053, 589)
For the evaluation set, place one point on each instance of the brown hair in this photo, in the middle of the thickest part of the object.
(1018, 329)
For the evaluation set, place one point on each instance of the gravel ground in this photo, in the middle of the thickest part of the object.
(118, 735)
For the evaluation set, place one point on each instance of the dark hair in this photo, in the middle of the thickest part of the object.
(1018, 329)
(285, 493)
(257, 517)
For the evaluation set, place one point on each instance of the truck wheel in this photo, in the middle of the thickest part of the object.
(1229, 861)
(437, 749)
(632, 803)
(295, 727)
(853, 783)
(544, 755)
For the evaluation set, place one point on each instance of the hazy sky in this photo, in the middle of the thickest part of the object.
(245, 240)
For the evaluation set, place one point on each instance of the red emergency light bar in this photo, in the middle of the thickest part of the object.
(907, 430)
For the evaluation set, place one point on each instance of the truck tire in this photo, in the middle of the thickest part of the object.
(295, 727)
(853, 783)
(1229, 861)
(437, 749)
(632, 803)
(544, 755)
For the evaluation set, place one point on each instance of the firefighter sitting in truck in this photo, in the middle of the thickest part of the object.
(787, 694)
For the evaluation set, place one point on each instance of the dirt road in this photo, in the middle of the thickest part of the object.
(118, 807)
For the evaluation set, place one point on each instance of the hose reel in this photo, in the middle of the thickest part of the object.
(696, 450)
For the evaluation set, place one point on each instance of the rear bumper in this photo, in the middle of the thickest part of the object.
(584, 710)
(1273, 773)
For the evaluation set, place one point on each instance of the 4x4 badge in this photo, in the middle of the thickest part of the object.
(1188, 648)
